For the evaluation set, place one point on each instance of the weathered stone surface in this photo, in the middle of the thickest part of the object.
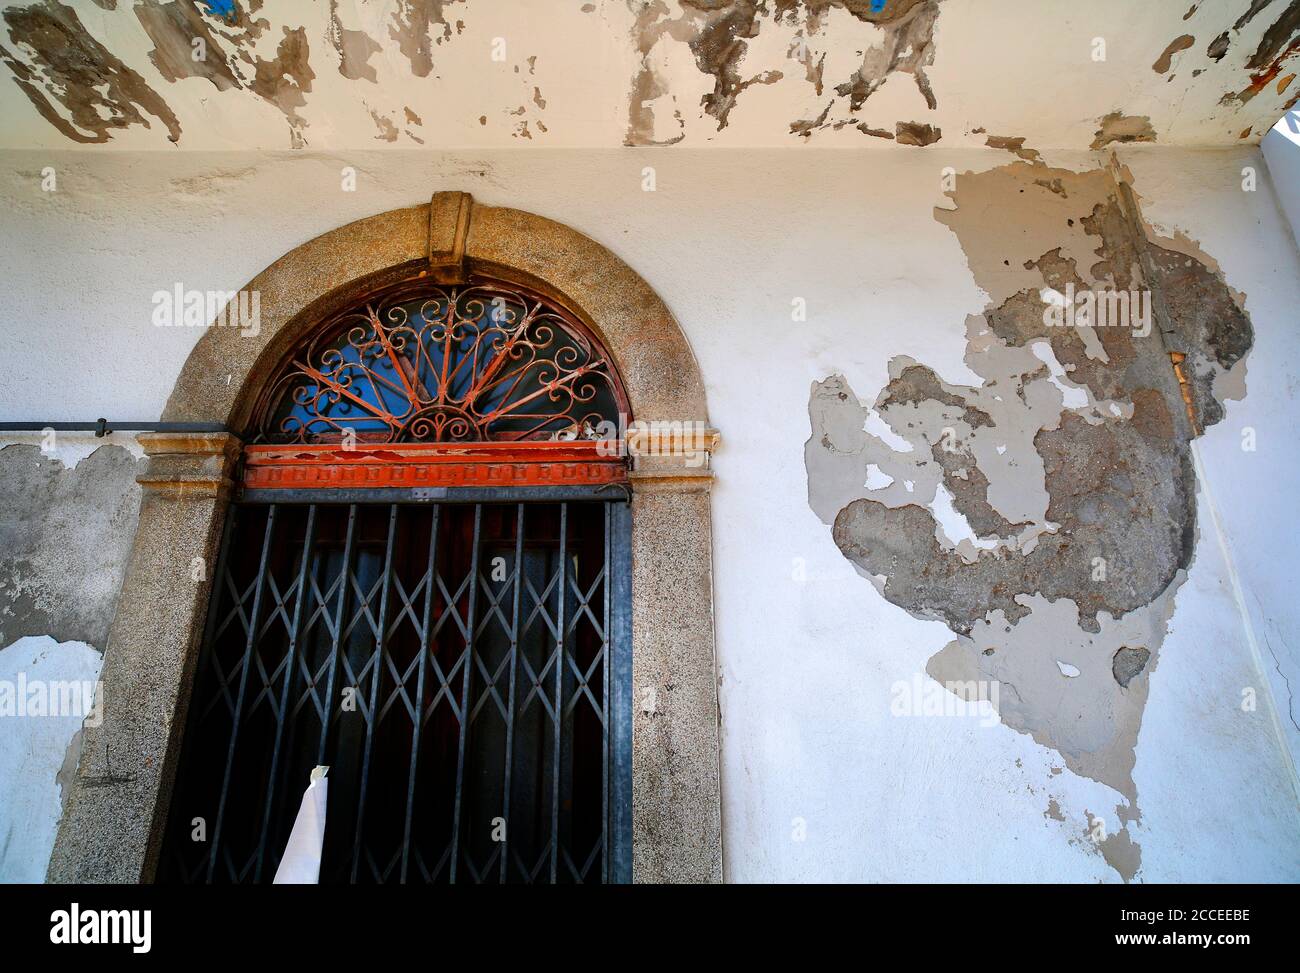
(677, 823)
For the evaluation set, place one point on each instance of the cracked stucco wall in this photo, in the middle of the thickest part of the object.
(69, 520)
(821, 781)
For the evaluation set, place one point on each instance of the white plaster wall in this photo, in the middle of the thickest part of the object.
(34, 751)
(1249, 235)
(729, 239)
(1281, 147)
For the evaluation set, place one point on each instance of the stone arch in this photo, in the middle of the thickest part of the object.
(113, 821)
(223, 373)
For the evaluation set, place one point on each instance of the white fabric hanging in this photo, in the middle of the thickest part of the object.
(301, 862)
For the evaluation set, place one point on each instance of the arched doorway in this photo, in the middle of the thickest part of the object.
(121, 800)
(423, 585)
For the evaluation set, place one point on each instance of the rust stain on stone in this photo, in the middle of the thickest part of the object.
(68, 67)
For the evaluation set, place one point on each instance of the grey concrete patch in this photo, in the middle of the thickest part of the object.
(64, 541)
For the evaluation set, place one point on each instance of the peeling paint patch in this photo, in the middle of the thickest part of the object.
(916, 133)
(805, 127)
(1218, 47)
(1119, 850)
(718, 34)
(285, 80)
(1014, 145)
(908, 47)
(719, 46)
(413, 29)
(647, 85)
(354, 48)
(1071, 464)
(1165, 60)
(225, 9)
(387, 130)
(1118, 127)
(174, 28)
(1280, 42)
(62, 64)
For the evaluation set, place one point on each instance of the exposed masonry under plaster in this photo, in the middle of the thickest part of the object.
(1068, 471)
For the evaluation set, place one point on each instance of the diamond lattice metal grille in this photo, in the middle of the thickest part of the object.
(461, 668)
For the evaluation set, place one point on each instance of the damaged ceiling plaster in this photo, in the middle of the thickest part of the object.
(1048, 515)
(481, 73)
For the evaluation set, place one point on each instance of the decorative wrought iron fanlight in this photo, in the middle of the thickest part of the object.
(479, 363)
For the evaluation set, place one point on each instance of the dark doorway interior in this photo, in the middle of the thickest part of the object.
(463, 670)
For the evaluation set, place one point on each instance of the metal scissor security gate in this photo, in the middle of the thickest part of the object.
(463, 668)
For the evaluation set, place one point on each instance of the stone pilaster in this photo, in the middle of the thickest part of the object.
(676, 794)
(112, 823)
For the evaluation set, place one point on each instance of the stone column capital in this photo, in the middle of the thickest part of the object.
(189, 465)
(671, 457)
